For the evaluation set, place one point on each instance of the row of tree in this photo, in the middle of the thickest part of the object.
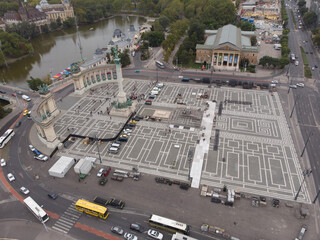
(275, 62)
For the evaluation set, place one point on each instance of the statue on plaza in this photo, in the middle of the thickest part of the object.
(74, 68)
(43, 89)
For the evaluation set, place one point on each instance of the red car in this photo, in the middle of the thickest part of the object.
(107, 171)
(13, 94)
(148, 102)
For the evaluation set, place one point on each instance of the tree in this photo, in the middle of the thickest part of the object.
(301, 3)
(154, 38)
(316, 39)
(125, 58)
(59, 22)
(34, 83)
(303, 10)
(53, 25)
(246, 26)
(164, 21)
(44, 28)
(69, 22)
(310, 18)
(253, 40)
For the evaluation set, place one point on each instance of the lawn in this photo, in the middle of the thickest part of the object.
(304, 56)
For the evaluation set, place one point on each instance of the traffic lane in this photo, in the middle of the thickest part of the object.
(63, 92)
(147, 74)
(303, 108)
(314, 99)
(313, 152)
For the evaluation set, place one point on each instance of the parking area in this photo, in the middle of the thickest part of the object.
(250, 148)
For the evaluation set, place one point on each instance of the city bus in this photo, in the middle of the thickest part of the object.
(159, 64)
(92, 209)
(5, 138)
(169, 224)
(36, 210)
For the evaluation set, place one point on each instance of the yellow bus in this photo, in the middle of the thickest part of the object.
(92, 209)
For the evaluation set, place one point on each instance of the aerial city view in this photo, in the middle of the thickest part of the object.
(160, 119)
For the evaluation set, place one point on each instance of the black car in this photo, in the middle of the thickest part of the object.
(131, 124)
(100, 201)
(52, 196)
(116, 203)
(215, 200)
(103, 181)
(136, 227)
(3, 92)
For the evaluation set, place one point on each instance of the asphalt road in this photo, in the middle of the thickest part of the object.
(307, 103)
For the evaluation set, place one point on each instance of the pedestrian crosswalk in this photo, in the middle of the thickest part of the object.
(67, 219)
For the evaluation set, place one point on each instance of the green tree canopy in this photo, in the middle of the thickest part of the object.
(125, 58)
(310, 18)
(154, 38)
(34, 83)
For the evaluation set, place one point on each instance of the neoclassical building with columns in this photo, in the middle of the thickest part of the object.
(223, 48)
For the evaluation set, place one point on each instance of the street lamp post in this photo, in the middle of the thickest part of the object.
(294, 105)
(96, 139)
(305, 173)
(305, 145)
(314, 201)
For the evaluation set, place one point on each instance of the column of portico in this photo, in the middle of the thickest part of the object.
(238, 61)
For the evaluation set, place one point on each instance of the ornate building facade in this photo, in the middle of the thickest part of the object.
(223, 48)
(26, 13)
(54, 11)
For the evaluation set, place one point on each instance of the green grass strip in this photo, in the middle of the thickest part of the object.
(293, 19)
(304, 56)
(307, 72)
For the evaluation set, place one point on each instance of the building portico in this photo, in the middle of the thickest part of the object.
(223, 48)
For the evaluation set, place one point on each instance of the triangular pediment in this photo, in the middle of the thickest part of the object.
(227, 46)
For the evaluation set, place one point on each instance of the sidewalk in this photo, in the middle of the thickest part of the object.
(6, 119)
(25, 229)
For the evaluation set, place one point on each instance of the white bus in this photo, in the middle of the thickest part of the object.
(169, 224)
(37, 211)
(159, 64)
(5, 138)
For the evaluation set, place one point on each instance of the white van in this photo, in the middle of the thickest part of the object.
(296, 63)
(154, 93)
(26, 98)
(113, 150)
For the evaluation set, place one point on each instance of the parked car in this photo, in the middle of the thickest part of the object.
(3, 163)
(25, 112)
(148, 102)
(24, 190)
(103, 181)
(99, 174)
(152, 96)
(136, 227)
(131, 124)
(123, 138)
(130, 236)
(302, 232)
(293, 86)
(116, 203)
(41, 157)
(18, 124)
(300, 84)
(31, 148)
(52, 196)
(117, 230)
(19, 92)
(13, 95)
(36, 152)
(11, 177)
(155, 234)
(2, 91)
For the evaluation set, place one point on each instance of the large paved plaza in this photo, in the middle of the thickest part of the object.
(250, 146)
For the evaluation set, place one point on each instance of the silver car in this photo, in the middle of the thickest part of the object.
(130, 236)
(41, 157)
